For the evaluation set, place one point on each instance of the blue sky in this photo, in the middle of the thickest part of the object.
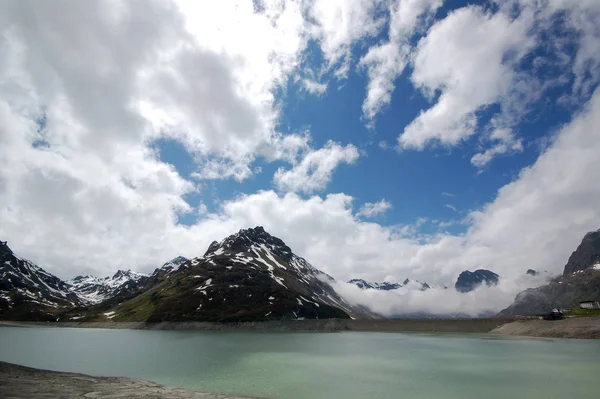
(417, 183)
(380, 139)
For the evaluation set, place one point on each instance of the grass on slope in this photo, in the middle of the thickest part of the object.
(584, 312)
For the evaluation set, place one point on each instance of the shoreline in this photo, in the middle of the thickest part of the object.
(579, 327)
(311, 325)
(26, 382)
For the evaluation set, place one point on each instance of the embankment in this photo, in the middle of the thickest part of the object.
(572, 327)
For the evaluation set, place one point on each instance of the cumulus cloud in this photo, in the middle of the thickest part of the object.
(467, 57)
(315, 170)
(385, 62)
(340, 24)
(371, 209)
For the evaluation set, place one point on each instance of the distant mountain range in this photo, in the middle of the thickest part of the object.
(467, 281)
(248, 276)
(92, 290)
(579, 282)
(386, 286)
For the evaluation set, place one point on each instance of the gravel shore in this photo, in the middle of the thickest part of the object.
(572, 327)
(25, 382)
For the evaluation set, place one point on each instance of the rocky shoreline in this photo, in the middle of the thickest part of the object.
(26, 382)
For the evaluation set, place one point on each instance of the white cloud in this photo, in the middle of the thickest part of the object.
(505, 143)
(314, 87)
(340, 24)
(384, 145)
(448, 194)
(467, 58)
(370, 209)
(452, 207)
(315, 170)
(386, 61)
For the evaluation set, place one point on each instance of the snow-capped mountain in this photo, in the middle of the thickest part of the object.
(385, 286)
(171, 266)
(28, 292)
(93, 290)
(248, 276)
(360, 283)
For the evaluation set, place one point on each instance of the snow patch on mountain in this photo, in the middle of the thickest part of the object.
(92, 290)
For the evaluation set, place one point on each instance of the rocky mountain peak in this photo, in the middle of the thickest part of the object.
(246, 239)
(4, 249)
(212, 248)
(171, 265)
(586, 255)
(468, 281)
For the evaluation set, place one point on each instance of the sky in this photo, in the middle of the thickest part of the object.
(382, 139)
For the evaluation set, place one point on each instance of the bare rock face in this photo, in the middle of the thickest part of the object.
(586, 255)
(467, 281)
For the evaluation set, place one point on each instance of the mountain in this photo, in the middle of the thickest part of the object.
(93, 290)
(171, 266)
(28, 292)
(360, 283)
(586, 255)
(416, 284)
(248, 276)
(580, 281)
(468, 281)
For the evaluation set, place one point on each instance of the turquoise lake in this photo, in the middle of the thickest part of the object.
(320, 365)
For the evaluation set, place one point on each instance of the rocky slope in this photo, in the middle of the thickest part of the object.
(28, 292)
(249, 276)
(468, 281)
(586, 255)
(580, 281)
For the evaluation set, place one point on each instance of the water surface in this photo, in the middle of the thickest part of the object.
(320, 365)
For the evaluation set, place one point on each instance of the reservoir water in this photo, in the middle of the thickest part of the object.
(320, 365)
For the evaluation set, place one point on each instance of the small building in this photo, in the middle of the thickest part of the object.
(589, 305)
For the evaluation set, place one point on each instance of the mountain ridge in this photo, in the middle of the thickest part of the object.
(247, 276)
(580, 281)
